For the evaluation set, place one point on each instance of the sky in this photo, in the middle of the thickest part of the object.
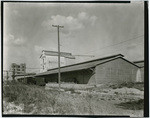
(98, 29)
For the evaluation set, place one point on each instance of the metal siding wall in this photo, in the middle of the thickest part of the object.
(116, 71)
(82, 77)
(86, 76)
(51, 78)
(67, 77)
(79, 77)
(40, 81)
(92, 80)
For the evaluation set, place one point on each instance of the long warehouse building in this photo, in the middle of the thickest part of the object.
(111, 69)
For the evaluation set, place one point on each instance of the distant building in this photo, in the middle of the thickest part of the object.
(49, 59)
(18, 69)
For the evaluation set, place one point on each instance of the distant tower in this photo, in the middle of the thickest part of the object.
(49, 59)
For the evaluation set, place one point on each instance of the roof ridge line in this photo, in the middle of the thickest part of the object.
(56, 51)
(88, 61)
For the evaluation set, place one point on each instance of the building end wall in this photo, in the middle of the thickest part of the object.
(116, 71)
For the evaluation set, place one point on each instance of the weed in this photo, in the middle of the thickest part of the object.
(71, 90)
(37, 100)
(116, 93)
(132, 105)
(102, 98)
(139, 86)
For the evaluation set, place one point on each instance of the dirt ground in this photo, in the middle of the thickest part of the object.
(121, 101)
(89, 100)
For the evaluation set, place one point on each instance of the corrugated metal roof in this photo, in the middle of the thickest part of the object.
(141, 61)
(19, 77)
(81, 66)
(25, 74)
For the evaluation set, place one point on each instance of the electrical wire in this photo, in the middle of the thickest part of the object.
(115, 44)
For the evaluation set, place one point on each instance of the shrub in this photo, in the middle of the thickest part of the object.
(27, 94)
(132, 105)
(124, 84)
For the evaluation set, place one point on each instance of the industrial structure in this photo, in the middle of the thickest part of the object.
(141, 65)
(111, 69)
(49, 59)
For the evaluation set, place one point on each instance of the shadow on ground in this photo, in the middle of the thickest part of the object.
(132, 105)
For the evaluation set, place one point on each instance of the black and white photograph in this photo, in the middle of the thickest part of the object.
(73, 58)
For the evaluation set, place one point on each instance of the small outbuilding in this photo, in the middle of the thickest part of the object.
(141, 69)
(111, 69)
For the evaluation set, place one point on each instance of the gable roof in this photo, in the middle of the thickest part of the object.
(84, 65)
(55, 53)
(139, 63)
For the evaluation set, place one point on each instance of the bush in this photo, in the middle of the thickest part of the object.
(128, 85)
(13, 90)
(28, 95)
(133, 105)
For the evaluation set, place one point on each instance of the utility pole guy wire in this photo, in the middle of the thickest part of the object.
(59, 76)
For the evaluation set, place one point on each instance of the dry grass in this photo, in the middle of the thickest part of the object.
(29, 95)
(132, 105)
(37, 100)
(139, 85)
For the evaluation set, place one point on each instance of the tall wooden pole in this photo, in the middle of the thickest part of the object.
(59, 75)
(13, 75)
(7, 75)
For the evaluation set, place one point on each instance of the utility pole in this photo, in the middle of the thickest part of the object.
(7, 75)
(59, 76)
(24, 72)
(13, 74)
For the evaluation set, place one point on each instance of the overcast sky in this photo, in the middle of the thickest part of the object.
(98, 29)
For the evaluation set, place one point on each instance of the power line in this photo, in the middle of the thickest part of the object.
(33, 68)
(84, 55)
(117, 43)
(121, 49)
(128, 44)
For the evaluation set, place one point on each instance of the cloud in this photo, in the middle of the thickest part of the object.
(38, 49)
(86, 19)
(93, 19)
(83, 16)
(12, 40)
(18, 41)
(69, 22)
